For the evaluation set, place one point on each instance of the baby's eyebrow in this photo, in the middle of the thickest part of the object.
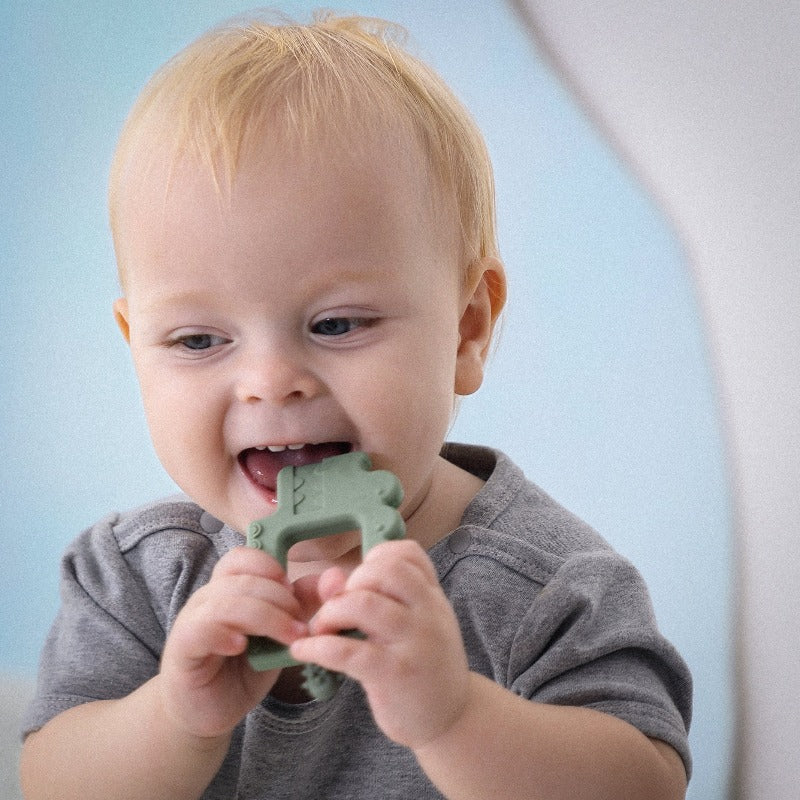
(329, 283)
(158, 299)
(332, 283)
(344, 275)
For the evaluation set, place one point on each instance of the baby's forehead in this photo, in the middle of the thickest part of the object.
(160, 160)
(379, 168)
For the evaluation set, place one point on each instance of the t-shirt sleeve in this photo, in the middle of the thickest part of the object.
(106, 640)
(589, 638)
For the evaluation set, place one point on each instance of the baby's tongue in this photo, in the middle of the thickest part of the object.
(264, 466)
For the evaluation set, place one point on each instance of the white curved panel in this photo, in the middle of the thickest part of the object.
(703, 100)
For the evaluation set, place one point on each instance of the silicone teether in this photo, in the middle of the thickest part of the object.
(336, 495)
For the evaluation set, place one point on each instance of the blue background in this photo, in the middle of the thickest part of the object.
(600, 387)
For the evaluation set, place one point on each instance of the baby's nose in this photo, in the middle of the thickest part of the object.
(279, 377)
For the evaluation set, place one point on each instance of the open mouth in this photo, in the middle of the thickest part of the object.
(262, 464)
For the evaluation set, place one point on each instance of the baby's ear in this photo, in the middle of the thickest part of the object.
(482, 301)
(121, 316)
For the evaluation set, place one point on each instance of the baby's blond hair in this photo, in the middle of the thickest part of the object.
(298, 82)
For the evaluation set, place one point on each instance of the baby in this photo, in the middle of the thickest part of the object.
(303, 218)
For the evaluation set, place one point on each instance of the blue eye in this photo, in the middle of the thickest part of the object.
(336, 326)
(199, 341)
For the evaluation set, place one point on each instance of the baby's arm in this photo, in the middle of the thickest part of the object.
(118, 748)
(473, 738)
(504, 746)
(168, 738)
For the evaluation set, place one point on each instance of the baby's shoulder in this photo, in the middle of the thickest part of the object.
(163, 538)
(161, 523)
(153, 556)
(513, 514)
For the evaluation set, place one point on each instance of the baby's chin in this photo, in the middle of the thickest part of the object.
(328, 550)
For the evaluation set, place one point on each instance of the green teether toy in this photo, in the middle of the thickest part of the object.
(336, 495)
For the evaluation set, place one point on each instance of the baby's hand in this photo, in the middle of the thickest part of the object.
(207, 684)
(412, 664)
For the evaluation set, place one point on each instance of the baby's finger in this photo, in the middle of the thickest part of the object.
(401, 570)
(255, 587)
(261, 614)
(376, 615)
(189, 646)
(250, 561)
(354, 657)
(221, 625)
(243, 605)
(332, 582)
(402, 549)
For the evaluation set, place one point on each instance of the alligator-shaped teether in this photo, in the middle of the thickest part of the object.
(336, 495)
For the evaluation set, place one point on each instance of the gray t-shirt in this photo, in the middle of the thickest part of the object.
(547, 609)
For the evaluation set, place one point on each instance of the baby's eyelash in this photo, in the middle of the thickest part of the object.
(196, 342)
(339, 326)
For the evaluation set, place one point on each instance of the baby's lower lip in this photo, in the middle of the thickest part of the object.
(262, 466)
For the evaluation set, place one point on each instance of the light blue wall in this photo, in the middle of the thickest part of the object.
(600, 387)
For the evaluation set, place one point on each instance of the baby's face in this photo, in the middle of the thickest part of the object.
(315, 311)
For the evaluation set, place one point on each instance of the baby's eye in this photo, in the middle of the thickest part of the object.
(198, 341)
(337, 326)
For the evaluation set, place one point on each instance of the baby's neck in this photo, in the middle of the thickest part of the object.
(451, 490)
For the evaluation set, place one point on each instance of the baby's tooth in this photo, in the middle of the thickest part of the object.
(296, 446)
(275, 448)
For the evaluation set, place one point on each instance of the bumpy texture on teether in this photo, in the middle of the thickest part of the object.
(336, 495)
